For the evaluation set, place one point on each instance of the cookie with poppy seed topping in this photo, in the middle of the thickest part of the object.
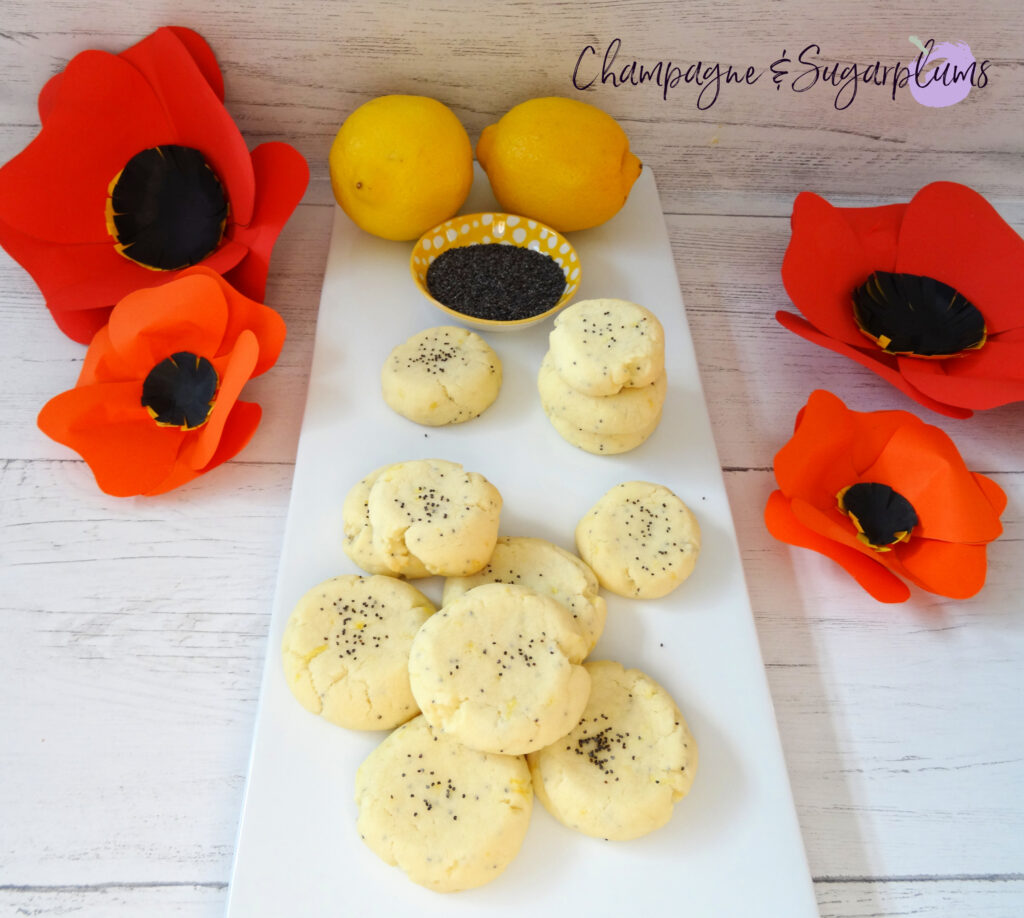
(443, 375)
(452, 818)
(546, 568)
(631, 410)
(498, 669)
(600, 347)
(624, 766)
(640, 539)
(431, 514)
(345, 650)
(601, 444)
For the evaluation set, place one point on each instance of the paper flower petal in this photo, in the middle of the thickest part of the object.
(239, 428)
(879, 582)
(825, 261)
(108, 427)
(991, 377)
(952, 569)
(202, 55)
(199, 117)
(818, 460)
(245, 313)
(878, 231)
(56, 188)
(281, 175)
(234, 371)
(951, 232)
(926, 468)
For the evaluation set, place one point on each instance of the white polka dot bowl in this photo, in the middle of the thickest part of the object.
(503, 229)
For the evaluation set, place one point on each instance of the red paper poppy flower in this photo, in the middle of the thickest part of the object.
(156, 404)
(886, 496)
(138, 169)
(925, 294)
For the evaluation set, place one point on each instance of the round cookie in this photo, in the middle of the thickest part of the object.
(498, 669)
(603, 444)
(626, 412)
(450, 817)
(443, 375)
(546, 568)
(346, 650)
(429, 514)
(640, 539)
(358, 541)
(619, 772)
(601, 346)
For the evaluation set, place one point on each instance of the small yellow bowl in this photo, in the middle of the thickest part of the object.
(507, 229)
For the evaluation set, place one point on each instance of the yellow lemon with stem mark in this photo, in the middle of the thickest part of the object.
(559, 161)
(400, 165)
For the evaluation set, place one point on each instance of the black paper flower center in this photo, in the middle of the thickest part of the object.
(179, 391)
(918, 315)
(883, 517)
(167, 209)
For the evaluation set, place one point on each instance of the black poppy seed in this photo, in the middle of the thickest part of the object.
(495, 281)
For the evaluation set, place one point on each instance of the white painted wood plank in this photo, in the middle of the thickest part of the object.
(132, 638)
(978, 898)
(116, 901)
(898, 899)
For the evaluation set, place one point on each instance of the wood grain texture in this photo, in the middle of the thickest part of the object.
(132, 632)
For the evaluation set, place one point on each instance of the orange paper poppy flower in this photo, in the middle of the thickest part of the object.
(156, 404)
(926, 294)
(887, 497)
(138, 169)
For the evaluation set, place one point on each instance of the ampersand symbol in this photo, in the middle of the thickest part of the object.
(778, 71)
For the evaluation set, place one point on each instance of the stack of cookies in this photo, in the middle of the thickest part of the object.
(602, 382)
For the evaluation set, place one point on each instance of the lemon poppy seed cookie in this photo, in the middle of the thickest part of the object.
(450, 817)
(498, 669)
(443, 375)
(546, 568)
(603, 444)
(627, 412)
(600, 346)
(358, 542)
(623, 767)
(430, 514)
(640, 539)
(346, 650)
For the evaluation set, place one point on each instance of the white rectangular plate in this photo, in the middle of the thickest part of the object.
(733, 846)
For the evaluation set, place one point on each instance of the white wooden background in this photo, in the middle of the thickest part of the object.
(133, 632)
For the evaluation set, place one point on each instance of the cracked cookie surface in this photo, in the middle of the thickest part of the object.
(640, 539)
(498, 669)
(346, 647)
(620, 771)
(443, 375)
(452, 818)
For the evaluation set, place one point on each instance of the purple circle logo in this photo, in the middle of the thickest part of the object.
(943, 73)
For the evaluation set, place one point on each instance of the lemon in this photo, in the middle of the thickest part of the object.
(400, 165)
(559, 161)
